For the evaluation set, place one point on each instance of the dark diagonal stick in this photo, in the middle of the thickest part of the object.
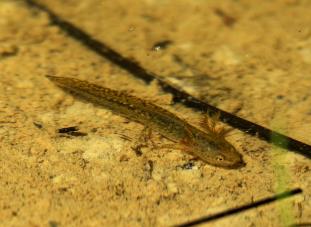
(179, 96)
(242, 208)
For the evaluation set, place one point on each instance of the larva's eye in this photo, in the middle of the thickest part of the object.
(219, 158)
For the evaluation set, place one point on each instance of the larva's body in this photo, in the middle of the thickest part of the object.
(208, 146)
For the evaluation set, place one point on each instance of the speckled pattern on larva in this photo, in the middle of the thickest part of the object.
(209, 146)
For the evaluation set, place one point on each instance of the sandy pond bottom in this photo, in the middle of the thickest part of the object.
(251, 58)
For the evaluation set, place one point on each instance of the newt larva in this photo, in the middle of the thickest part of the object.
(209, 146)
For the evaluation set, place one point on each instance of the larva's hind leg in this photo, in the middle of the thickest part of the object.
(143, 141)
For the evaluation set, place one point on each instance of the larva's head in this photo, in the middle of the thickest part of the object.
(217, 152)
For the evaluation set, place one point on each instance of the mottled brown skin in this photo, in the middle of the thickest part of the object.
(209, 146)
